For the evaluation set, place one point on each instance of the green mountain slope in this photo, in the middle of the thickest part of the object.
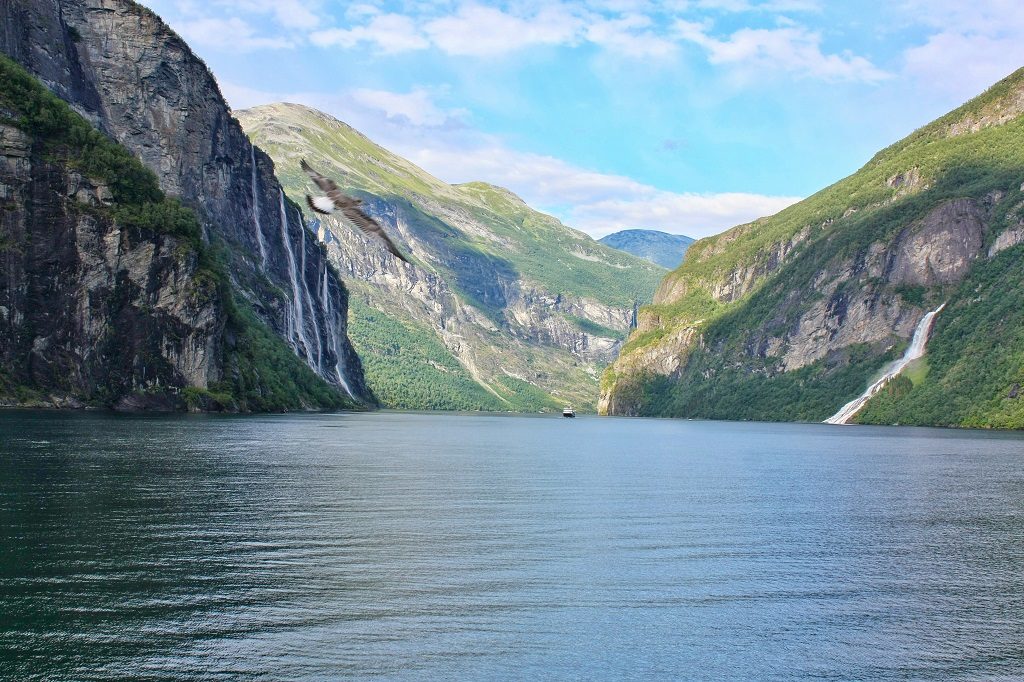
(791, 316)
(503, 307)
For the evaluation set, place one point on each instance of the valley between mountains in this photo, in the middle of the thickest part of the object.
(501, 308)
(155, 253)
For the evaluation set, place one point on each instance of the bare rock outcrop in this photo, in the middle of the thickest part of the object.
(123, 69)
(90, 310)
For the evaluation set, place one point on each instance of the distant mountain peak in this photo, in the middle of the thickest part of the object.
(661, 248)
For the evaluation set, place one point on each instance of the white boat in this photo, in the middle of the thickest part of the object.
(567, 411)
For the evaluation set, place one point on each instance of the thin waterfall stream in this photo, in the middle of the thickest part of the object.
(913, 352)
(256, 210)
(332, 331)
(308, 296)
(298, 314)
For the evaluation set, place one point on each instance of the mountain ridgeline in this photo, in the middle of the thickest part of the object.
(667, 250)
(792, 316)
(501, 308)
(186, 279)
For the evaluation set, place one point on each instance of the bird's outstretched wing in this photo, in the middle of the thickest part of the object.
(370, 227)
(325, 184)
(349, 207)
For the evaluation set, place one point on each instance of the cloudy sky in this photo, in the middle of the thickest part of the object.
(688, 116)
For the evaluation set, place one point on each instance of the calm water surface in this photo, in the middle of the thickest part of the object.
(479, 547)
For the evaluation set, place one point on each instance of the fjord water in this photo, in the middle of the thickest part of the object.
(421, 546)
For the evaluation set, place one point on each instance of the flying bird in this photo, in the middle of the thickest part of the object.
(336, 200)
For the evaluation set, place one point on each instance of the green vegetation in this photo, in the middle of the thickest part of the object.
(264, 375)
(728, 375)
(260, 371)
(595, 329)
(975, 357)
(407, 367)
(70, 140)
(715, 389)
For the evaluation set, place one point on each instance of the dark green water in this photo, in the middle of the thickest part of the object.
(476, 547)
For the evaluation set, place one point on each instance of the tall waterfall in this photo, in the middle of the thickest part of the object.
(308, 297)
(256, 209)
(913, 352)
(298, 316)
(332, 332)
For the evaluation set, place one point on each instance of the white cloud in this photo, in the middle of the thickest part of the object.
(476, 30)
(597, 203)
(737, 6)
(986, 17)
(975, 44)
(960, 65)
(791, 49)
(695, 215)
(629, 36)
(234, 35)
(288, 13)
(416, 106)
(390, 33)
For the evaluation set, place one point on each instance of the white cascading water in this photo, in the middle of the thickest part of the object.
(308, 297)
(913, 352)
(332, 332)
(298, 314)
(256, 210)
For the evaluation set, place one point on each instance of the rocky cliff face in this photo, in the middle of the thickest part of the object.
(789, 317)
(119, 66)
(92, 311)
(527, 310)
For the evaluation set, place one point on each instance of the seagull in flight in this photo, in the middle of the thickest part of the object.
(335, 200)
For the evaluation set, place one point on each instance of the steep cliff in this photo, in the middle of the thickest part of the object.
(790, 317)
(126, 72)
(108, 296)
(502, 307)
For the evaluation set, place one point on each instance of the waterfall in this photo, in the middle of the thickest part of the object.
(913, 352)
(332, 332)
(256, 210)
(308, 296)
(298, 314)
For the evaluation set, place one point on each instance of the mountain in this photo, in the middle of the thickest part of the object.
(122, 70)
(662, 248)
(502, 307)
(790, 317)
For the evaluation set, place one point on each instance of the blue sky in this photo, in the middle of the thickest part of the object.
(688, 116)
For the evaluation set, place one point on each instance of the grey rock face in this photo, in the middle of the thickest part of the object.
(485, 347)
(121, 67)
(99, 312)
(939, 248)
(935, 250)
